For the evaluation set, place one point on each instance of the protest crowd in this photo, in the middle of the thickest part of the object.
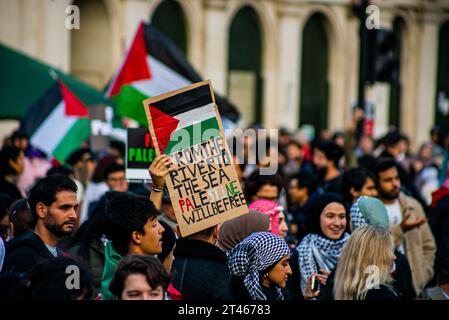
(344, 217)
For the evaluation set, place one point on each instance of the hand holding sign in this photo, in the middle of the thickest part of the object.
(159, 169)
(203, 185)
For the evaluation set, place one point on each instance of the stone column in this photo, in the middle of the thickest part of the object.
(352, 67)
(426, 77)
(216, 45)
(290, 47)
(408, 76)
(56, 37)
(270, 69)
(134, 11)
(11, 24)
(30, 32)
(336, 30)
(194, 13)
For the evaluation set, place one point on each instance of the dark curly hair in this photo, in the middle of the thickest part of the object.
(331, 150)
(126, 213)
(257, 180)
(45, 190)
(49, 278)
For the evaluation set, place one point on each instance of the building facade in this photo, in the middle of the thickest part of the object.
(285, 63)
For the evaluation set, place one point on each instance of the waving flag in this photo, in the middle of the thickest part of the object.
(58, 122)
(152, 66)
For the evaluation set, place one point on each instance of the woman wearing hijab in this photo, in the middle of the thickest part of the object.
(319, 251)
(368, 211)
(275, 211)
(259, 266)
(233, 231)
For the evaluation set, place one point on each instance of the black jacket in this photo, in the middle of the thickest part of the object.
(403, 283)
(200, 271)
(301, 216)
(293, 287)
(439, 223)
(93, 257)
(10, 189)
(382, 293)
(24, 252)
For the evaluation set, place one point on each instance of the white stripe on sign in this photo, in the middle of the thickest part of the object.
(196, 115)
(53, 129)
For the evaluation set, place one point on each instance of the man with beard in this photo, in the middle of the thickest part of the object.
(53, 204)
(408, 224)
(326, 158)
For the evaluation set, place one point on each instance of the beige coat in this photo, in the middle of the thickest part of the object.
(419, 244)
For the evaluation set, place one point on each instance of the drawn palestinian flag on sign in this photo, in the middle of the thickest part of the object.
(184, 119)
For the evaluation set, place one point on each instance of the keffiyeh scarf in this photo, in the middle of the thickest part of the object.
(254, 254)
(316, 252)
(357, 218)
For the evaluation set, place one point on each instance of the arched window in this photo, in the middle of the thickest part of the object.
(313, 109)
(170, 20)
(245, 63)
(394, 116)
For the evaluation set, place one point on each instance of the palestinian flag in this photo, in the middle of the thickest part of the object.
(152, 66)
(57, 123)
(185, 119)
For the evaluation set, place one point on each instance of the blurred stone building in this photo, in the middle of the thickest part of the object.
(282, 62)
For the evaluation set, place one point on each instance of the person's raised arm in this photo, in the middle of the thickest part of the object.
(158, 169)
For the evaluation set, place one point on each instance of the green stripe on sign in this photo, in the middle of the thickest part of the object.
(76, 135)
(129, 104)
(193, 135)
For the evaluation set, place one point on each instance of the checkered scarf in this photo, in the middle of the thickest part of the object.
(357, 218)
(316, 252)
(254, 254)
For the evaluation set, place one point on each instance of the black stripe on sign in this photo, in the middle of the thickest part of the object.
(185, 101)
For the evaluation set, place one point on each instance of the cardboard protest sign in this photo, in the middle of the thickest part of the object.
(140, 154)
(203, 186)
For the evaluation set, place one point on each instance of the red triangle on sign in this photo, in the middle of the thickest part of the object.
(164, 125)
(73, 105)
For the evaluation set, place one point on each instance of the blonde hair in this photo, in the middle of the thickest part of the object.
(369, 249)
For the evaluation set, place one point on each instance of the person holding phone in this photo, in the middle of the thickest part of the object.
(319, 251)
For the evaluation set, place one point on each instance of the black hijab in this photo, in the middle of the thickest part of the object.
(320, 203)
